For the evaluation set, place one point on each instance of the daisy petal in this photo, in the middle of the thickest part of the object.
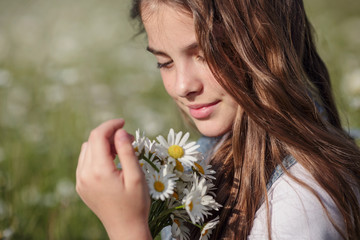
(192, 149)
(189, 158)
(189, 145)
(162, 141)
(178, 137)
(184, 139)
(171, 137)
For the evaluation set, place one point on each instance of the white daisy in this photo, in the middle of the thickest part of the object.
(176, 166)
(197, 204)
(194, 208)
(161, 184)
(207, 229)
(148, 158)
(139, 142)
(138, 145)
(204, 169)
(178, 229)
(177, 148)
(179, 190)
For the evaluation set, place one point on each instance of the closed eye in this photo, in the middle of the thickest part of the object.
(164, 65)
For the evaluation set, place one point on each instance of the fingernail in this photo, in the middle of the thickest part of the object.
(122, 136)
(131, 137)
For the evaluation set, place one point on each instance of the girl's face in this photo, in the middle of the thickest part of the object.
(186, 76)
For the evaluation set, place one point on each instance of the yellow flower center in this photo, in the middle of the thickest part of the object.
(179, 166)
(191, 206)
(200, 169)
(176, 196)
(177, 222)
(159, 186)
(176, 151)
(206, 231)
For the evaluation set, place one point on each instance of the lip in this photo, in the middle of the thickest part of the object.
(201, 111)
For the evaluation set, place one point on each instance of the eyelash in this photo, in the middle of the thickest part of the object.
(164, 65)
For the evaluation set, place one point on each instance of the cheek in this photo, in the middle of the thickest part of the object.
(168, 84)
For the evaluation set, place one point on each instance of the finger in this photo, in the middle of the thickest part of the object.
(112, 143)
(132, 138)
(128, 160)
(100, 141)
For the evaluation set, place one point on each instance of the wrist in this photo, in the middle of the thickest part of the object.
(128, 231)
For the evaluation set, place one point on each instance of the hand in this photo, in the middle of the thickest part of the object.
(120, 198)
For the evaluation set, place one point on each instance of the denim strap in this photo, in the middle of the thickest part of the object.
(278, 171)
(207, 143)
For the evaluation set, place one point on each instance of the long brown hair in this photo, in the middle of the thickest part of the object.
(262, 53)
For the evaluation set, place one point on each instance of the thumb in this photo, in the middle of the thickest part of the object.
(128, 160)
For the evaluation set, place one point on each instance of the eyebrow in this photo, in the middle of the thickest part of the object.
(156, 52)
(190, 47)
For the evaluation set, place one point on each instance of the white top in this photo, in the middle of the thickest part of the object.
(295, 213)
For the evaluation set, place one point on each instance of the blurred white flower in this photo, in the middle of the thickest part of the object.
(5, 78)
(66, 76)
(65, 190)
(352, 82)
(70, 76)
(54, 93)
(7, 233)
(355, 102)
(17, 105)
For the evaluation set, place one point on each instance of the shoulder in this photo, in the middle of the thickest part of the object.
(295, 212)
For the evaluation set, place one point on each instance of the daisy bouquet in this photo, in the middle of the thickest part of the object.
(180, 184)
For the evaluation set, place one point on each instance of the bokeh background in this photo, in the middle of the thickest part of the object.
(66, 66)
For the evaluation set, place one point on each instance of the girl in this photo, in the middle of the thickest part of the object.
(246, 72)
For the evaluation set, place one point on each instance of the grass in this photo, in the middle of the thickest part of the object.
(67, 66)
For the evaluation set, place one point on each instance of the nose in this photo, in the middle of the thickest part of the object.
(188, 81)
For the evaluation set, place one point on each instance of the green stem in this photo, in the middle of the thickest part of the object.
(149, 162)
(167, 212)
(196, 225)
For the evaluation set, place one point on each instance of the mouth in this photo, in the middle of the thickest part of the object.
(202, 111)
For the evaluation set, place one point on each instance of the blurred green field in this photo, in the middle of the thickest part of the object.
(66, 66)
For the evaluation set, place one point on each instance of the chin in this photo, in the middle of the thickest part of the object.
(212, 130)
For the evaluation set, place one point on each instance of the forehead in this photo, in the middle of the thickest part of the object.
(148, 7)
(167, 23)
